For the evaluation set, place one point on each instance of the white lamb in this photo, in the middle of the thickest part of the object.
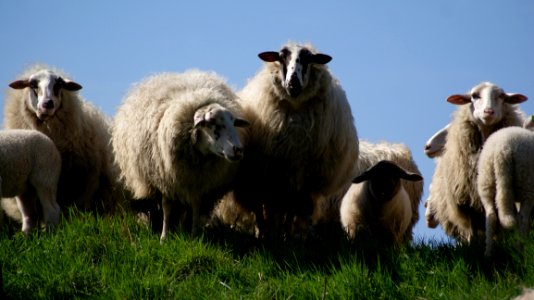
(46, 100)
(302, 144)
(30, 166)
(453, 194)
(377, 205)
(175, 134)
(506, 178)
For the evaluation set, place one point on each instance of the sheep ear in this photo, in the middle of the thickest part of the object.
(269, 56)
(402, 173)
(529, 123)
(515, 98)
(321, 59)
(459, 99)
(198, 119)
(71, 85)
(20, 84)
(363, 177)
(241, 123)
(410, 176)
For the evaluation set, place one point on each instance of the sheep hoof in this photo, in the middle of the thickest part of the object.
(508, 222)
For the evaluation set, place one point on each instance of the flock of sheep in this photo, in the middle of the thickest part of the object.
(275, 159)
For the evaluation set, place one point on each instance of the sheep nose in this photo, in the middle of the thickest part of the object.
(294, 86)
(489, 111)
(238, 152)
(48, 104)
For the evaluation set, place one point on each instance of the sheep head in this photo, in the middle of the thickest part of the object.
(383, 179)
(45, 91)
(436, 144)
(294, 62)
(215, 131)
(487, 101)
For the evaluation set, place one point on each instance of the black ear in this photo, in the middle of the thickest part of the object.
(71, 85)
(269, 56)
(198, 119)
(20, 84)
(411, 176)
(402, 173)
(363, 177)
(241, 123)
(321, 59)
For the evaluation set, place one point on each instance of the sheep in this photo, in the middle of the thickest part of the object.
(371, 154)
(377, 204)
(453, 196)
(46, 100)
(506, 178)
(434, 149)
(175, 134)
(435, 144)
(302, 144)
(30, 166)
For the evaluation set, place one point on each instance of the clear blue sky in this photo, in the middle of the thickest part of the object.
(397, 60)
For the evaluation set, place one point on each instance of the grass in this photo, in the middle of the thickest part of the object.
(116, 258)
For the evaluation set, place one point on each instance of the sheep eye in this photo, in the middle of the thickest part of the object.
(33, 84)
(284, 53)
(476, 96)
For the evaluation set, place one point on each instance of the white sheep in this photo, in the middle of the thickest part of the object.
(377, 205)
(506, 178)
(30, 167)
(46, 100)
(436, 143)
(453, 196)
(434, 149)
(302, 144)
(175, 134)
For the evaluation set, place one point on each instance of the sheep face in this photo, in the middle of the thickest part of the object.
(294, 62)
(486, 101)
(45, 92)
(383, 179)
(436, 144)
(216, 132)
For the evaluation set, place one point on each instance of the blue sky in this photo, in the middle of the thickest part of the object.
(397, 60)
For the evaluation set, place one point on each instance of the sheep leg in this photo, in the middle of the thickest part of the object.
(491, 225)
(27, 206)
(167, 207)
(504, 196)
(195, 216)
(262, 215)
(525, 220)
(51, 210)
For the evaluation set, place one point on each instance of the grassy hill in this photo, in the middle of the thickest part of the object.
(117, 258)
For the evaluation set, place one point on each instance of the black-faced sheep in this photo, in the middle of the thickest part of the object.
(302, 144)
(30, 167)
(377, 205)
(506, 179)
(46, 100)
(371, 154)
(175, 135)
(453, 194)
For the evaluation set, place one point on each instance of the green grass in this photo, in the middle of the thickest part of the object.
(116, 258)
